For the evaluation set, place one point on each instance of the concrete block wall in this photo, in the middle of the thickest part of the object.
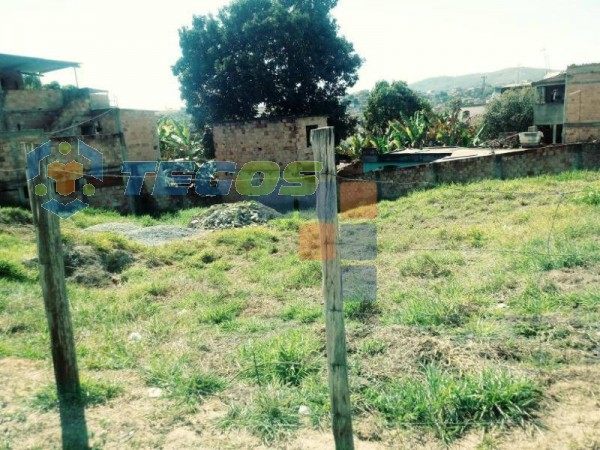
(36, 100)
(30, 116)
(12, 162)
(394, 183)
(281, 140)
(141, 139)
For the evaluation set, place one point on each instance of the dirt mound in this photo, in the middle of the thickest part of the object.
(155, 235)
(235, 215)
(85, 265)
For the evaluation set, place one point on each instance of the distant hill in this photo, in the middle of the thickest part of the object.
(498, 78)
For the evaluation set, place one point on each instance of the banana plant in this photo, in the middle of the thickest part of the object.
(409, 132)
(176, 139)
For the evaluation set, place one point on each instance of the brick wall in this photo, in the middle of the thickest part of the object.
(37, 100)
(582, 108)
(139, 128)
(12, 164)
(394, 183)
(281, 140)
(122, 134)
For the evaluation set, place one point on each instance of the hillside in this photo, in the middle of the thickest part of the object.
(498, 78)
(485, 331)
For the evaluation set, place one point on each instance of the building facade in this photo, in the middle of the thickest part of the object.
(568, 107)
(30, 117)
(282, 140)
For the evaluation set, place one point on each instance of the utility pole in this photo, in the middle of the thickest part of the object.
(322, 140)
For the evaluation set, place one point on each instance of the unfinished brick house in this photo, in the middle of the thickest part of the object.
(282, 140)
(30, 117)
(568, 108)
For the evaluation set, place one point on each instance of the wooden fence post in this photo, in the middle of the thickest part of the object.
(323, 144)
(52, 280)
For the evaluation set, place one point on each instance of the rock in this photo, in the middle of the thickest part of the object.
(135, 337)
(304, 410)
(30, 263)
(155, 392)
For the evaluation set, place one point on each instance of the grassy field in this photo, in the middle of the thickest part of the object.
(485, 331)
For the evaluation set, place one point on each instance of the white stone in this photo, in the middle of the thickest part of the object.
(155, 392)
(135, 337)
(304, 410)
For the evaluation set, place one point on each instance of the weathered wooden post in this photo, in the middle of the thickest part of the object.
(323, 144)
(52, 280)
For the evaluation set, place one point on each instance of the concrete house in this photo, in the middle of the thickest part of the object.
(282, 140)
(30, 117)
(568, 108)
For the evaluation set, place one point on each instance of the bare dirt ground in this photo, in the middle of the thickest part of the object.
(570, 419)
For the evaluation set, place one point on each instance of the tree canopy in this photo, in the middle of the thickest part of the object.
(285, 56)
(511, 111)
(391, 101)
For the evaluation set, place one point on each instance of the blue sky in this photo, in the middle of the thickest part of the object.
(128, 46)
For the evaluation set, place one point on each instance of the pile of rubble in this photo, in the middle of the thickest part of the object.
(234, 215)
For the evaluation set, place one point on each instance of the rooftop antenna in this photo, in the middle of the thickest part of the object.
(546, 60)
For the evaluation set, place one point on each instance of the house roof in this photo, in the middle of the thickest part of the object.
(26, 64)
(552, 78)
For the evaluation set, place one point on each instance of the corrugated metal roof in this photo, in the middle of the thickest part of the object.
(26, 64)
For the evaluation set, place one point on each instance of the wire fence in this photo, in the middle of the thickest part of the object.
(538, 317)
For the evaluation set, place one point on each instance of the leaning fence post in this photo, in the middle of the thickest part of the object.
(322, 140)
(52, 280)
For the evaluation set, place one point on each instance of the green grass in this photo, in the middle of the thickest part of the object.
(302, 311)
(12, 271)
(287, 358)
(489, 275)
(450, 404)
(15, 216)
(183, 381)
(272, 415)
(93, 393)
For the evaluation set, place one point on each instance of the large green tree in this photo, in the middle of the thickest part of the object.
(285, 56)
(511, 111)
(391, 101)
